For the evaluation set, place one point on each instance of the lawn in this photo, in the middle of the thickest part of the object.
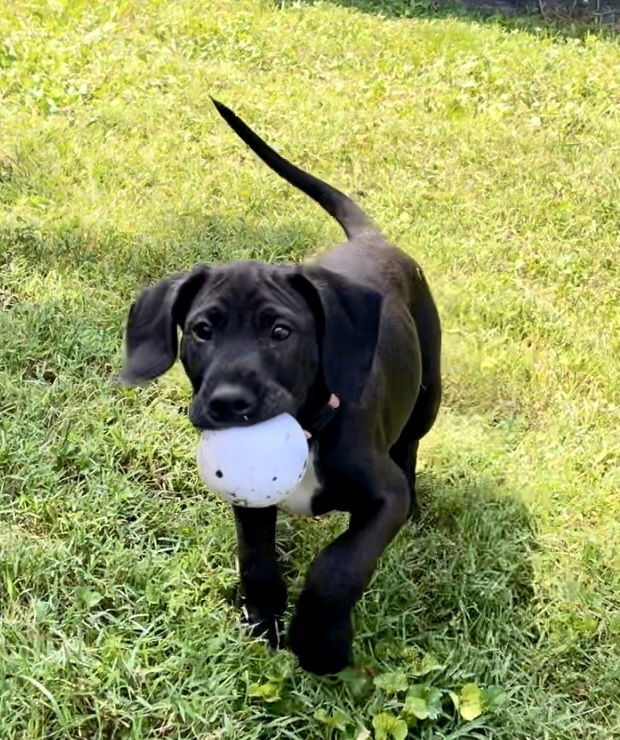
(488, 152)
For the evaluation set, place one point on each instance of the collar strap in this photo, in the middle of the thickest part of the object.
(324, 416)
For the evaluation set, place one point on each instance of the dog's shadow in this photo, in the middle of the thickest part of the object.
(461, 572)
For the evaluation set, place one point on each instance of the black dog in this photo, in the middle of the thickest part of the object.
(358, 326)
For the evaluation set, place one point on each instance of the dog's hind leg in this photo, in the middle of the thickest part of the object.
(405, 453)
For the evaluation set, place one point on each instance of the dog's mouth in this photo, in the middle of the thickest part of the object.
(224, 404)
(310, 427)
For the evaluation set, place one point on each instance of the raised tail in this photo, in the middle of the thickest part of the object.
(348, 214)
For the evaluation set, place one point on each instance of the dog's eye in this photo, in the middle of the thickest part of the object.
(280, 332)
(202, 331)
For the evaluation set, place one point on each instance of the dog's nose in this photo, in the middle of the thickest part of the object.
(232, 403)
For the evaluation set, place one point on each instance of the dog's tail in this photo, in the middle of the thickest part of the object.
(348, 214)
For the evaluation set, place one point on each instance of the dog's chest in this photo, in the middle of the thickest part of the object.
(299, 501)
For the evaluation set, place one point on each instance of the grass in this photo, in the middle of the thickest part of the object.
(491, 155)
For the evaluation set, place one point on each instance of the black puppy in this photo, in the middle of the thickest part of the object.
(359, 325)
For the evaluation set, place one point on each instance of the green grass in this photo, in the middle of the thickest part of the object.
(492, 156)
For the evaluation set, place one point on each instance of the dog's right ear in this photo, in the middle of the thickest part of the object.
(151, 341)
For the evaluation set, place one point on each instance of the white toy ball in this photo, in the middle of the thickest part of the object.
(254, 466)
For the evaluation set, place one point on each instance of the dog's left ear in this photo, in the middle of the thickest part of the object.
(348, 316)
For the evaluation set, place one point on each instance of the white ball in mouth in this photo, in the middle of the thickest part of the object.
(254, 466)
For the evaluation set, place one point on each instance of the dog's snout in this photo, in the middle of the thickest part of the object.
(232, 403)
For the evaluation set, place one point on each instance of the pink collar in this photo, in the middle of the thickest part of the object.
(325, 415)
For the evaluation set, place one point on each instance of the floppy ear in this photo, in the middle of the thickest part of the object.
(348, 316)
(151, 342)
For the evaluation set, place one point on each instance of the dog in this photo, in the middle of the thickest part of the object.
(350, 345)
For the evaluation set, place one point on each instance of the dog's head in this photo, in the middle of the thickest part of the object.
(256, 339)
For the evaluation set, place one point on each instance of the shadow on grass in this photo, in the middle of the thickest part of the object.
(124, 258)
(471, 553)
(512, 15)
(66, 292)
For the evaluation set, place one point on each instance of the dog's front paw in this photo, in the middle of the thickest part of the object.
(266, 626)
(321, 642)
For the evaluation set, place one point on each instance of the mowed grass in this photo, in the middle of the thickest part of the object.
(489, 154)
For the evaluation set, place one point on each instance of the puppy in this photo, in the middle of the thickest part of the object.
(350, 346)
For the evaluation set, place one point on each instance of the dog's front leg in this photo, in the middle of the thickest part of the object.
(262, 587)
(321, 632)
